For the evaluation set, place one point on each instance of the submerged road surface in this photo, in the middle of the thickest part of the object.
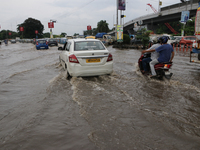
(42, 110)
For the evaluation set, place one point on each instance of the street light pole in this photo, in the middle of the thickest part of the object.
(116, 19)
(51, 33)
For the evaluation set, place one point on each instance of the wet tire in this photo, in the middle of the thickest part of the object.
(67, 76)
(198, 56)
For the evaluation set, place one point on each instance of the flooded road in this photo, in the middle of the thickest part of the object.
(42, 110)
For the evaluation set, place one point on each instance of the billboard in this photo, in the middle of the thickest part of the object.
(119, 33)
(50, 25)
(185, 16)
(21, 28)
(121, 5)
(89, 27)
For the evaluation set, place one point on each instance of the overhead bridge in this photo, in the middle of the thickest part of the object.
(167, 14)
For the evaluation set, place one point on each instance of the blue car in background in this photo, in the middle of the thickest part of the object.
(42, 44)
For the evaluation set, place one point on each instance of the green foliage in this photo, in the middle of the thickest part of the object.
(75, 34)
(46, 35)
(30, 25)
(162, 28)
(126, 39)
(4, 34)
(143, 35)
(189, 27)
(102, 26)
(91, 32)
(63, 34)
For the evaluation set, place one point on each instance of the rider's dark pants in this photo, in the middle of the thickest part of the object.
(145, 63)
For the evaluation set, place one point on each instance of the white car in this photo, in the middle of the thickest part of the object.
(86, 57)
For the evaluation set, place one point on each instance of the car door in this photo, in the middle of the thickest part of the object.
(65, 52)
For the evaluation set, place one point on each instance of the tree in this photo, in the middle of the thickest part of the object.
(102, 26)
(126, 39)
(46, 35)
(143, 35)
(162, 28)
(4, 34)
(189, 27)
(63, 34)
(30, 25)
(76, 34)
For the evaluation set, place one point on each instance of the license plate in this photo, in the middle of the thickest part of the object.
(167, 73)
(93, 60)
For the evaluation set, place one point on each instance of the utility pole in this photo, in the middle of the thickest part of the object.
(159, 4)
(116, 19)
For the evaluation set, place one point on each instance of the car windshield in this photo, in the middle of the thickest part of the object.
(88, 45)
(42, 41)
(52, 40)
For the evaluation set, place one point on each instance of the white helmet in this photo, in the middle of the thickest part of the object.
(155, 40)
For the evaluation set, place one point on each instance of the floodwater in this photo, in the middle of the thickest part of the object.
(42, 110)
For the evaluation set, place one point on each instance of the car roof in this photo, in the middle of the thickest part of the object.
(41, 40)
(190, 36)
(82, 40)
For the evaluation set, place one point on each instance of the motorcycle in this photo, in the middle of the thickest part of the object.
(162, 69)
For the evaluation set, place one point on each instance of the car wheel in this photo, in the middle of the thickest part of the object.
(59, 60)
(66, 75)
(198, 56)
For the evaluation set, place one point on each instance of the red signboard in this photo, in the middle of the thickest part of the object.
(50, 24)
(21, 28)
(89, 27)
(36, 31)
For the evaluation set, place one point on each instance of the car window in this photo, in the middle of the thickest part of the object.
(42, 41)
(65, 45)
(88, 45)
(187, 38)
(68, 46)
(192, 38)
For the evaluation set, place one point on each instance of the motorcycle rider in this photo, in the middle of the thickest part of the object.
(166, 54)
(154, 55)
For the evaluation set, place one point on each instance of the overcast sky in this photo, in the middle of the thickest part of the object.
(72, 16)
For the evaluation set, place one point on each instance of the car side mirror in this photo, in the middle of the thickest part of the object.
(60, 48)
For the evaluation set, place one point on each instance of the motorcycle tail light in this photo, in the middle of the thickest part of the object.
(167, 65)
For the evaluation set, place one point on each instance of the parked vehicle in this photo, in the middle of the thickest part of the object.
(90, 37)
(104, 37)
(188, 40)
(52, 42)
(85, 57)
(171, 39)
(13, 41)
(63, 40)
(177, 39)
(136, 41)
(42, 44)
